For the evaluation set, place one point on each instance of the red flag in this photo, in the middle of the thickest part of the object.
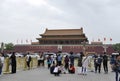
(21, 41)
(110, 39)
(26, 41)
(104, 39)
(98, 39)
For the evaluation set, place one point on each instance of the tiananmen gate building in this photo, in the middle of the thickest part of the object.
(64, 40)
(63, 36)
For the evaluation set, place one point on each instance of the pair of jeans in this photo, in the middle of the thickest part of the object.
(1, 69)
(116, 75)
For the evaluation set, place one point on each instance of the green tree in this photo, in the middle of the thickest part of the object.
(117, 47)
(2, 47)
(9, 46)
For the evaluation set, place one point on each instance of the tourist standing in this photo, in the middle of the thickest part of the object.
(71, 58)
(13, 63)
(66, 61)
(41, 59)
(1, 63)
(85, 63)
(53, 59)
(105, 63)
(28, 60)
(80, 64)
(38, 60)
(49, 61)
(91, 64)
(97, 62)
(59, 59)
(112, 62)
(117, 70)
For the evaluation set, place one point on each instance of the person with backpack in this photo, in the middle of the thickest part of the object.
(1, 63)
(59, 59)
(71, 58)
(49, 61)
(117, 70)
(97, 62)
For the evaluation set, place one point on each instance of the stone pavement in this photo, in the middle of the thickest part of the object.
(43, 74)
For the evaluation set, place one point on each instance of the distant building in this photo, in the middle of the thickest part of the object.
(65, 40)
(63, 36)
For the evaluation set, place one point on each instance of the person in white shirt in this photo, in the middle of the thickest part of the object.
(85, 63)
(57, 70)
(1, 62)
(40, 59)
(28, 60)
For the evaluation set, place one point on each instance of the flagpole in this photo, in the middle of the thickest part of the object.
(110, 40)
(105, 46)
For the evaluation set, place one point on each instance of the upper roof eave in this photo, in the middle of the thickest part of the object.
(63, 32)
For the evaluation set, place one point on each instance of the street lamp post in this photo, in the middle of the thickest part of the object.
(84, 47)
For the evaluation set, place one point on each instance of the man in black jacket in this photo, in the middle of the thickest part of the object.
(105, 63)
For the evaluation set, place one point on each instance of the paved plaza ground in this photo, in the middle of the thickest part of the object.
(43, 74)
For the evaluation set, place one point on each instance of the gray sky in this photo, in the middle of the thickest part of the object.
(26, 19)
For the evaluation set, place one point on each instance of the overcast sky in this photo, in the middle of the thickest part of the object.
(26, 19)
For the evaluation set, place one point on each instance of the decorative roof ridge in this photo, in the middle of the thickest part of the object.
(63, 29)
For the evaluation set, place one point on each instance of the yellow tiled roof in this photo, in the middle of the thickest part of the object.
(64, 32)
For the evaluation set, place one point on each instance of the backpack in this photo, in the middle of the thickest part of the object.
(49, 61)
(0, 63)
(99, 60)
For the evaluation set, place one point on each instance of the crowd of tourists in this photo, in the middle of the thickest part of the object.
(84, 64)
(63, 65)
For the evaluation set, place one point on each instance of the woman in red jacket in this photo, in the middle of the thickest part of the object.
(71, 69)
